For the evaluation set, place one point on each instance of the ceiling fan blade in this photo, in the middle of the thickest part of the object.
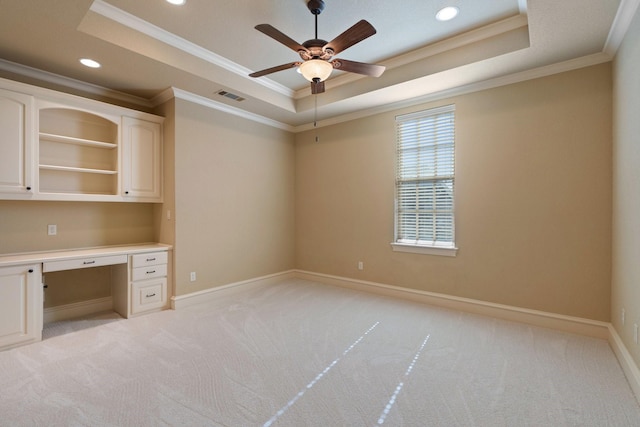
(280, 36)
(317, 87)
(370, 70)
(274, 69)
(353, 35)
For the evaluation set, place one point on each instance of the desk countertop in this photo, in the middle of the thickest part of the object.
(67, 254)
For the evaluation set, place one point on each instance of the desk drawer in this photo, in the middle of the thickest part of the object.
(148, 295)
(151, 258)
(149, 272)
(72, 264)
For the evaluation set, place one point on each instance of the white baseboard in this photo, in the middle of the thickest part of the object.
(560, 322)
(181, 301)
(577, 325)
(78, 309)
(627, 363)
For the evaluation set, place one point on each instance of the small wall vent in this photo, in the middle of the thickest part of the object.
(230, 95)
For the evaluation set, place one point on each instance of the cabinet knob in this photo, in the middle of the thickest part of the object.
(28, 188)
(126, 192)
(31, 270)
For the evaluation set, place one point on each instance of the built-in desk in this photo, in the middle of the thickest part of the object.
(139, 284)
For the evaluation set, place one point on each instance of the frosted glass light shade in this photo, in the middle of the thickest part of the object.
(316, 69)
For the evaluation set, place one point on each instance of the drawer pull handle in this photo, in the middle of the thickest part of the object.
(151, 295)
(88, 262)
(151, 272)
(150, 259)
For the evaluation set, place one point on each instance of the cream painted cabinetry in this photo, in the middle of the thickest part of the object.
(55, 146)
(20, 305)
(140, 277)
(148, 282)
(16, 135)
(147, 290)
(141, 159)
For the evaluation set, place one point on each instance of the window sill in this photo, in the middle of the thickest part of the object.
(425, 250)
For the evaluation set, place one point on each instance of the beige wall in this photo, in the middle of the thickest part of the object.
(234, 197)
(626, 189)
(23, 225)
(533, 195)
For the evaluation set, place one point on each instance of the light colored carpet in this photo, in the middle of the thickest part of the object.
(305, 354)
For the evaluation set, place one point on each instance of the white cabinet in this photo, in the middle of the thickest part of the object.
(148, 282)
(147, 288)
(140, 277)
(20, 305)
(141, 159)
(16, 135)
(55, 146)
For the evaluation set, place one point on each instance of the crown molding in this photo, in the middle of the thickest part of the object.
(172, 92)
(620, 26)
(215, 105)
(73, 84)
(522, 7)
(561, 67)
(128, 20)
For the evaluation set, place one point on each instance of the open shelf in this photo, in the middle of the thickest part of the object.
(78, 152)
(74, 169)
(77, 141)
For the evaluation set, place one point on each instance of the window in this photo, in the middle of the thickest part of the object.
(425, 182)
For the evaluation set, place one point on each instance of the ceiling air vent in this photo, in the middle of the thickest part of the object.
(230, 95)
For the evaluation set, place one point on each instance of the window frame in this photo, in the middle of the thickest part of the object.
(421, 247)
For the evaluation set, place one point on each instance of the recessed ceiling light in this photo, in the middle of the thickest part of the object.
(177, 2)
(447, 13)
(90, 63)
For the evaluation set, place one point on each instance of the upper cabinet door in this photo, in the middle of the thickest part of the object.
(141, 160)
(16, 144)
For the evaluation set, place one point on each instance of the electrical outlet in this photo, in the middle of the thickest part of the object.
(52, 229)
(360, 265)
(192, 276)
(622, 317)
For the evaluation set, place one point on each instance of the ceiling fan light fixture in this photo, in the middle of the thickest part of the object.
(316, 69)
(447, 13)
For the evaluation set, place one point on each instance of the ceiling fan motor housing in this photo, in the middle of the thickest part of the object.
(315, 6)
(316, 50)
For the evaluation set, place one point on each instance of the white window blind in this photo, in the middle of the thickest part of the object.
(425, 178)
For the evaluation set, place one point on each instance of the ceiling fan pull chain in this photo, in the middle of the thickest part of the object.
(315, 116)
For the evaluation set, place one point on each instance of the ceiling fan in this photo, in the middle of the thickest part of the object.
(316, 54)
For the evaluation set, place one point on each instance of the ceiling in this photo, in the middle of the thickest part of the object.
(149, 46)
